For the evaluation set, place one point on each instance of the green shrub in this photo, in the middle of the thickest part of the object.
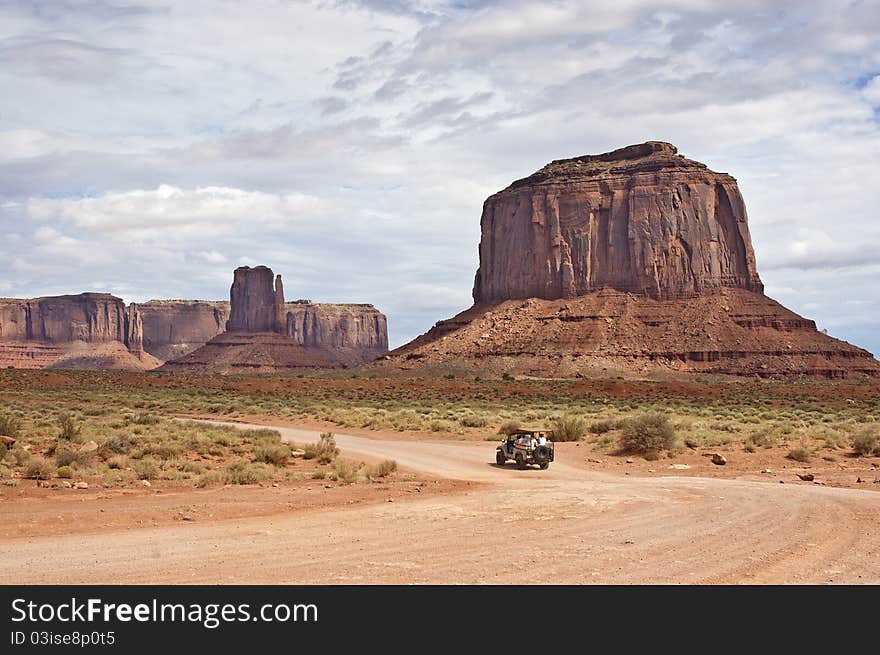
(120, 444)
(146, 419)
(146, 468)
(3, 451)
(569, 427)
(70, 429)
(9, 426)
(242, 472)
(326, 450)
(382, 469)
(276, 454)
(473, 421)
(256, 434)
(601, 427)
(161, 449)
(118, 462)
(21, 455)
(209, 478)
(39, 469)
(346, 472)
(65, 456)
(65, 472)
(509, 427)
(646, 433)
(319, 474)
(763, 439)
(799, 454)
(867, 442)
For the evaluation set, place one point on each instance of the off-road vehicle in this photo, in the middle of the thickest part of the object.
(526, 447)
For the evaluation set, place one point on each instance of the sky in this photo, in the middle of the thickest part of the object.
(149, 148)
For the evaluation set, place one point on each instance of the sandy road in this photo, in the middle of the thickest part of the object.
(563, 525)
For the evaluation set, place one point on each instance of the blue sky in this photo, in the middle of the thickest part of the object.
(149, 148)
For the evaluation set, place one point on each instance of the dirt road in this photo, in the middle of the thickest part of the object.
(563, 525)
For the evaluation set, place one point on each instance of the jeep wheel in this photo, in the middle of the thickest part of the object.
(542, 454)
(500, 459)
(520, 461)
(544, 465)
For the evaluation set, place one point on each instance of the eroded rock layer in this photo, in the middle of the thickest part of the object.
(641, 219)
(258, 352)
(731, 331)
(87, 317)
(355, 327)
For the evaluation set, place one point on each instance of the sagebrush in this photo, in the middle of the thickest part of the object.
(647, 434)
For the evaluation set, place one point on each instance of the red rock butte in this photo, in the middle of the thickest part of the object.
(635, 259)
(641, 219)
(264, 333)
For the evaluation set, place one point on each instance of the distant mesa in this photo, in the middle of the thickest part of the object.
(258, 330)
(264, 333)
(633, 260)
(86, 331)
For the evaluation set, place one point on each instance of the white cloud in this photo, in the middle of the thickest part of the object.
(211, 256)
(213, 208)
(871, 91)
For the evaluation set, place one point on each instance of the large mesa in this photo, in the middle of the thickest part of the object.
(88, 330)
(642, 219)
(632, 260)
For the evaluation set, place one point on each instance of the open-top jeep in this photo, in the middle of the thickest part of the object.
(526, 447)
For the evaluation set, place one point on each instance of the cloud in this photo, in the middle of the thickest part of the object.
(171, 207)
(871, 91)
(212, 256)
(445, 109)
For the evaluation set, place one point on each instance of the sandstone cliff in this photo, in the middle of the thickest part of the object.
(88, 317)
(66, 331)
(641, 219)
(173, 328)
(356, 327)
